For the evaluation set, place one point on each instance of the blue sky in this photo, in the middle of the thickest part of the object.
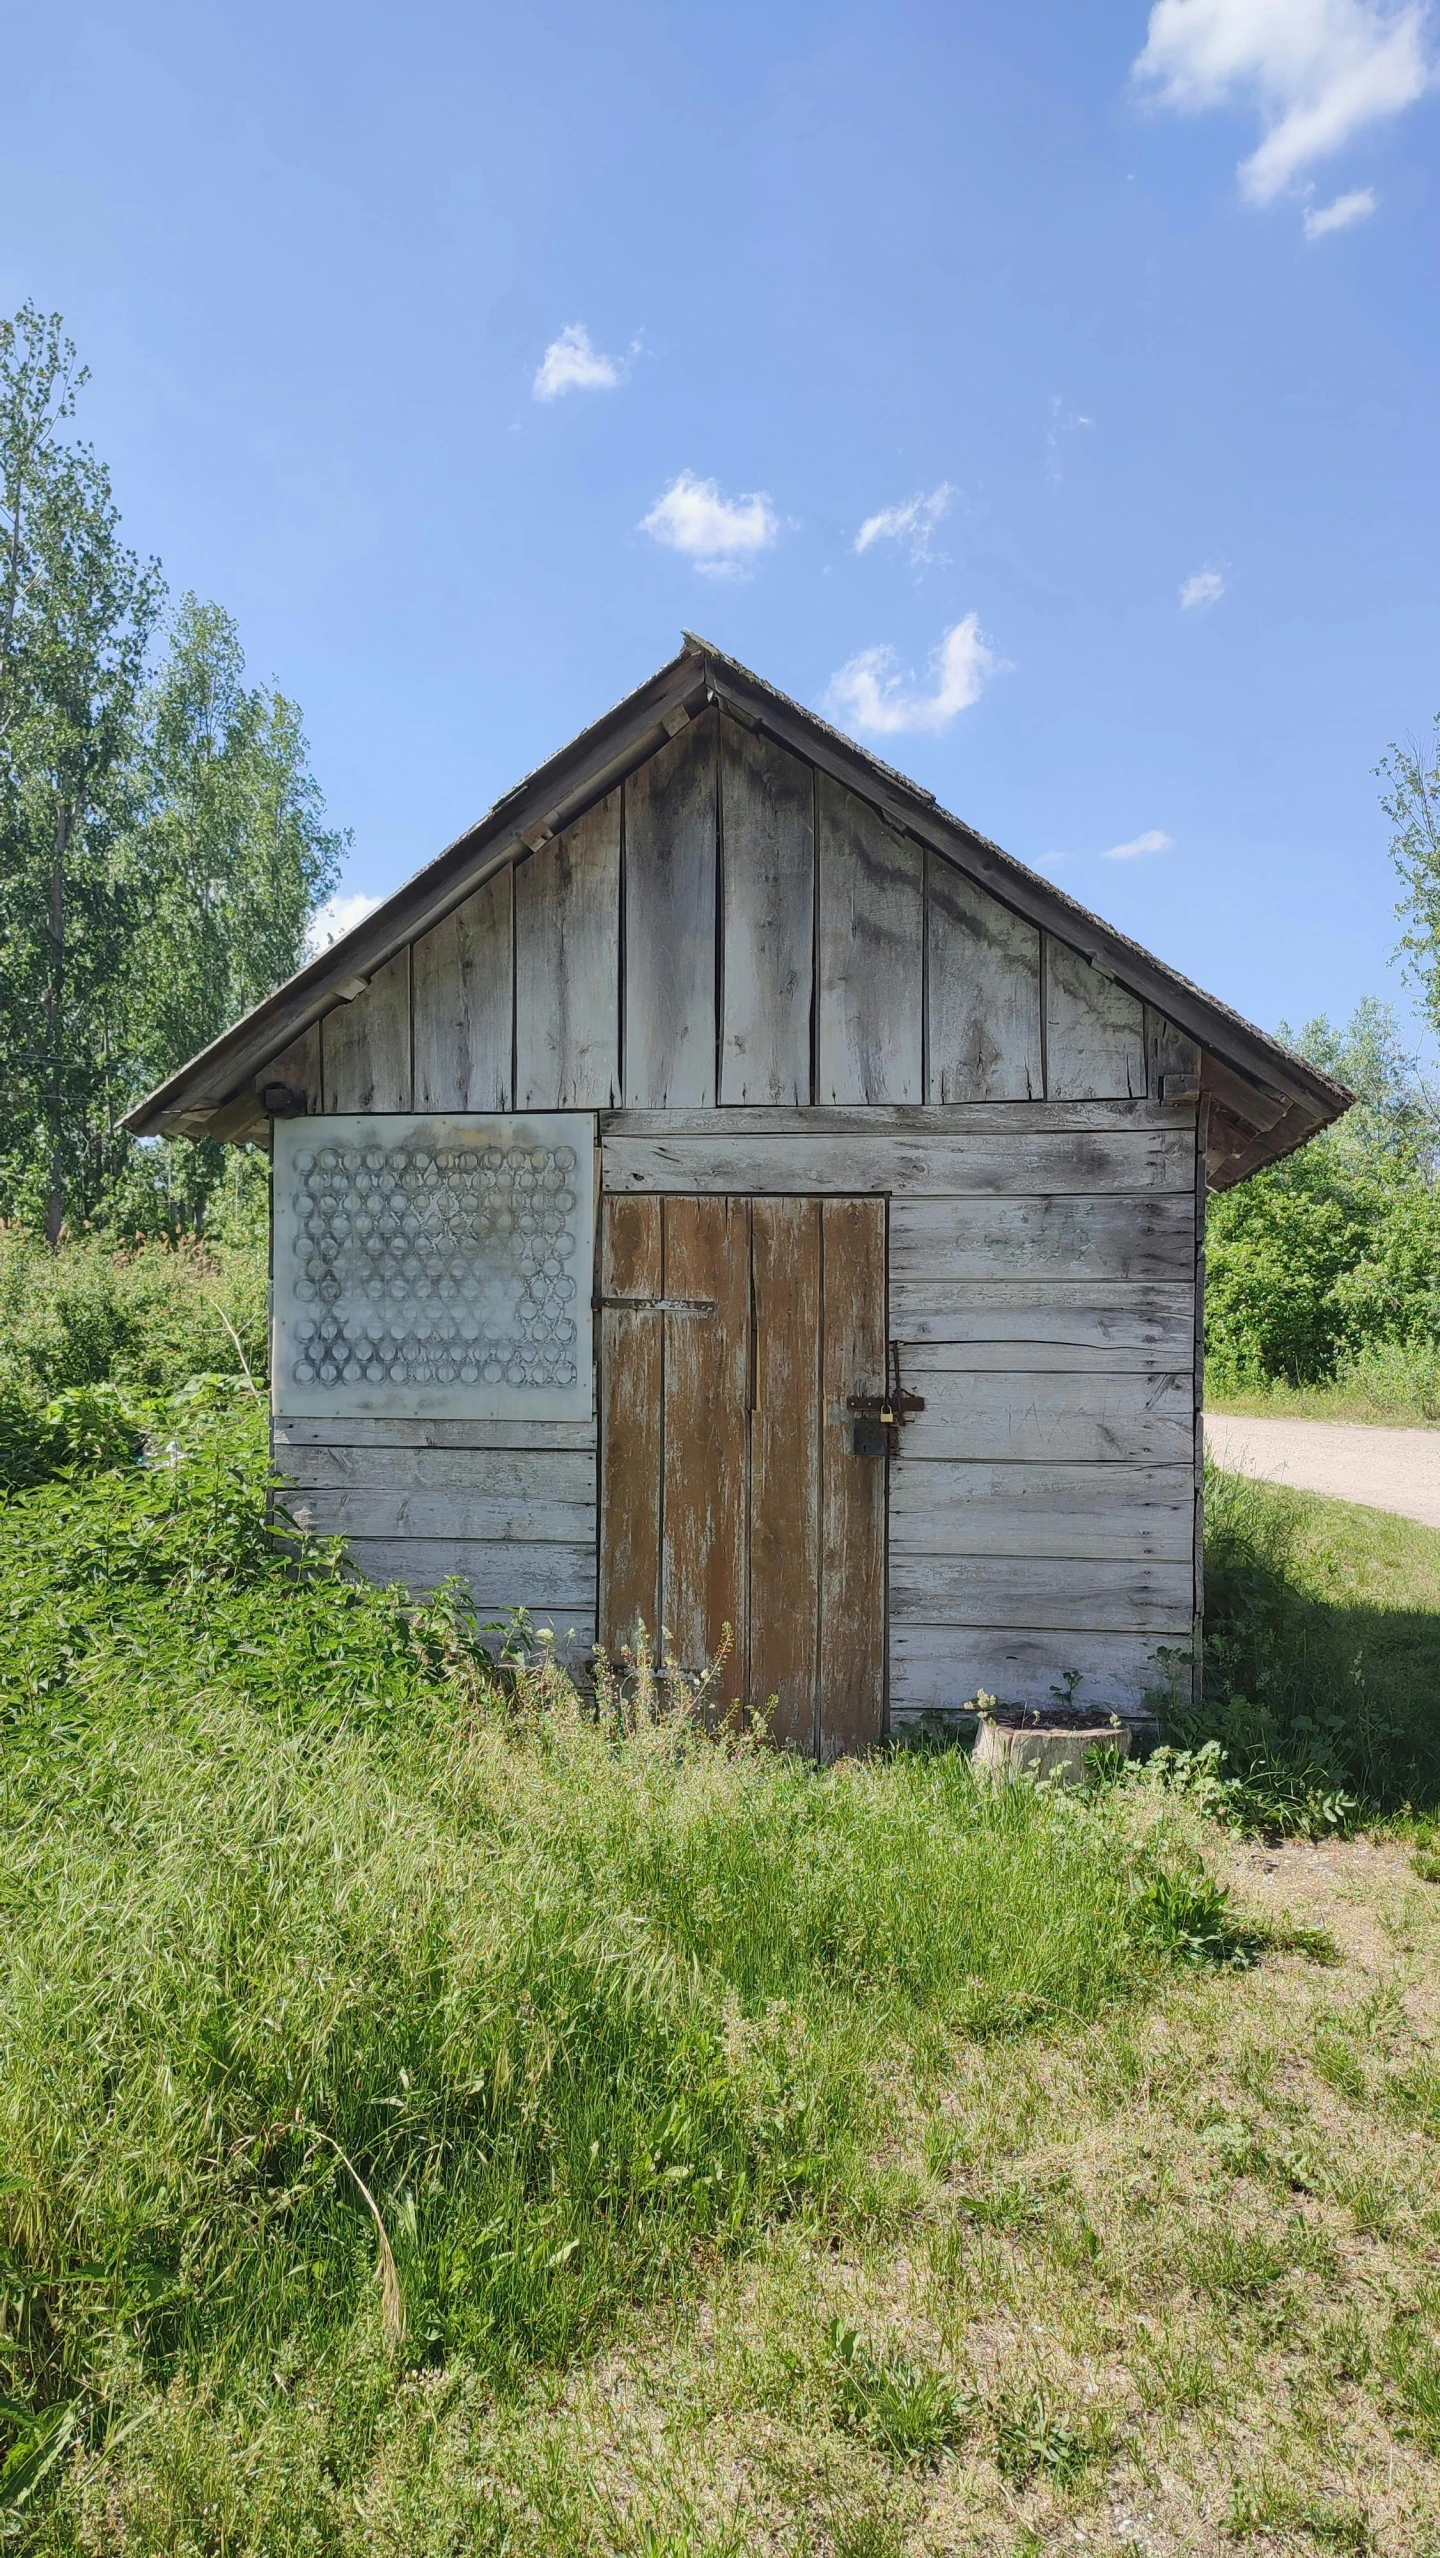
(1115, 329)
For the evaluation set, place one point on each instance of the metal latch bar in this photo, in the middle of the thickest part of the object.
(658, 1305)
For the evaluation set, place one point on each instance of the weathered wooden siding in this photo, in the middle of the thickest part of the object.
(730, 925)
(508, 1507)
(1042, 1506)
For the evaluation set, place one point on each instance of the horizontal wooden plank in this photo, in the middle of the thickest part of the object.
(1101, 1595)
(939, 1667)
(906, 1119)
(1160, 1320)
(559, 1579)
(922, 1359)
(368, 1513)
(1116, 1237)
(349, 1431)
(986, 1165)
(1129, 1512)
(482, 1474)
(1065, 1417)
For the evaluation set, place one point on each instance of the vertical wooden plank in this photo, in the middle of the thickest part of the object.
(365, 1046)
(870, 952)
(984, 994)
(1197, 1664)
(631, 1393)
(768, 900)
(1169, 1051)
(785, 1432)
(298, 1066)
(567, 967)
(852, 1551)
(671, 819)
(463, 991)
(1095, 1031)
(707, 1430)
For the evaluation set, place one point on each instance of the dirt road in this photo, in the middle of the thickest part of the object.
(1349, 1460)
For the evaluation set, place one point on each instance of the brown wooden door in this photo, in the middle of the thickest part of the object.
(734, 1332)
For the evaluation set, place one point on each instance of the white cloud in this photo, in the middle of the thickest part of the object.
(571, 363)
(720, 534)
(871, 693)
(1319, 71)
(1152, 841)
(338, 916)
(1357, 206)
(915, 520)
(1205, 587)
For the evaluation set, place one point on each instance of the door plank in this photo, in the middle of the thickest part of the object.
(852, 1548)
(567, 967)
(984, 994)
(768, 899)
(671, 816)
(872, 922)
(365, 1046)
(464, 994)
(707, 1418)
(632, 1399)
(785, 1467)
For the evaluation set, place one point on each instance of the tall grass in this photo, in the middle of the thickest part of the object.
(342, 1992)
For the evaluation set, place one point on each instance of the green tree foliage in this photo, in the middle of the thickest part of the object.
(76, 612)
(1337, 1248)
(162, 841)
(231, 856)
(1411, 801)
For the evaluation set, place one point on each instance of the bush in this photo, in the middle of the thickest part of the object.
(139, 1316)
(1318, 1261)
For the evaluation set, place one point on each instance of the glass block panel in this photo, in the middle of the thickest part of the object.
(435, 1268)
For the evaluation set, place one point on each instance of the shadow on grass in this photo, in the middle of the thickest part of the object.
(1322, 1649)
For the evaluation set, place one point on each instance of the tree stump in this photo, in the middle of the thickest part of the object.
(1039, 1742)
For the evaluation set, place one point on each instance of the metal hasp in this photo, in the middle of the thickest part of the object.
(878, 1418)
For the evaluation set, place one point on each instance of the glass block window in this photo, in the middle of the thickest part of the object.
(434, 1267)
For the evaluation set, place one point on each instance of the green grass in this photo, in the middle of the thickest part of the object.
(359, 2020)
(1322, 1653)
(1392, 1382)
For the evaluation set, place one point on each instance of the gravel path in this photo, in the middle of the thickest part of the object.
(1351, 1460)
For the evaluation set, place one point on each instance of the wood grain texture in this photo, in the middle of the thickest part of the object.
(768, 902)
(1098, 1595)
(938, 1668)
(852, 1553)
(365, 1046)
(957, 1119)
(557, 1582)
(301, 1068)
(1068, 1416)
(671, 821)
(1125, 1512)
(480, 1474)
(344, 1431)
(870, 947)
(1094, 1030)
(1117, 1237)
(463, 992)
(445, 1513)
(786, 1429)
(567, 967)
(707, 1424)
(631, 1408)
(1158, 1324)
(1168, 1051)
(991, 1164)
(984, 994)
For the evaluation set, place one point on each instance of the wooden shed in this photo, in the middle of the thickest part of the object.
(724, 1190)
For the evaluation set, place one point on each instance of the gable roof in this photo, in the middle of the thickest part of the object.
(1264, 1100)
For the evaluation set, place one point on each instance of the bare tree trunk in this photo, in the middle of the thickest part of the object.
(54, 1029)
